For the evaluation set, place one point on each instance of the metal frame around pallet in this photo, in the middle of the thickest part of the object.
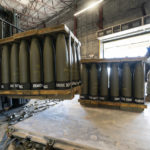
(2, 21)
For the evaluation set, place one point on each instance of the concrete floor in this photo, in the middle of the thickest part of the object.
(99, 128)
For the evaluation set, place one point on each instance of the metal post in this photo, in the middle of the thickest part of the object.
(11, 26)
(100, 17)
(75, 20)
(70, 49)
(2, 30)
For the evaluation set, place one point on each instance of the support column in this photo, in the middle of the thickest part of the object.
(75, 19)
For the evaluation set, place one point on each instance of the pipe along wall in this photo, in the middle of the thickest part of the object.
(40, 63)
(113, 82)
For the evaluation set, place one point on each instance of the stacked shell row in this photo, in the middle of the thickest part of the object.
(116, 82)
(49, 63)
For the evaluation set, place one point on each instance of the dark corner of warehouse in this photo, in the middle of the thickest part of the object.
(74, 74)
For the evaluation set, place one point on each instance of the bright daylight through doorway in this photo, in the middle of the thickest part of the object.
(129, 47)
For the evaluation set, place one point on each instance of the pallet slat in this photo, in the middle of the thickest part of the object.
(117, 60)
(109, 104)
(25, 34)
(7, 40)
(40, 92)
(48, 30)
(51, 29)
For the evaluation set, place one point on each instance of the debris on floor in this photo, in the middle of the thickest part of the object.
(15, 115)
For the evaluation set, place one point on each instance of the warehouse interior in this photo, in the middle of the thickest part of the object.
(74, 74)
(87, 23)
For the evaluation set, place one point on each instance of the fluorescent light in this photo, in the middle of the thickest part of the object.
(89, 7)
(24, 2)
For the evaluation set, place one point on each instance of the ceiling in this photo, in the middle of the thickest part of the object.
(33, 12)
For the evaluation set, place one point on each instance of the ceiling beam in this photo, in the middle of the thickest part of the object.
(64, 2)
(54, 16)
(27, 6)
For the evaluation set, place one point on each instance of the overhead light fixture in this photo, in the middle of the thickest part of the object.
(24, 2)
(89, 7)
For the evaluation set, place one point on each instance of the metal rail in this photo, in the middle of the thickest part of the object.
(124, 26)
(11, 26)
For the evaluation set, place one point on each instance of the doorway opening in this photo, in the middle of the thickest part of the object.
(128, 47)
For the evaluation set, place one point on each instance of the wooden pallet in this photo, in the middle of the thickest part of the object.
(6, 40)
(40, 94)
(116, 105)
(115, 60)
(40, 32)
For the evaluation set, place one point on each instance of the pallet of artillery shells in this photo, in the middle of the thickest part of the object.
(113, 105)
(31, 43)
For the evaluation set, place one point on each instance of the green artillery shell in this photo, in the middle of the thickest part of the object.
(62, 63)
(114, 81)
(14, 66)
(24, 74)
(126, 81)
(104, 81)
(84, 77)
(35, 64)
(138, 88)
(48, 63)
(93, 86)
(5, 66)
